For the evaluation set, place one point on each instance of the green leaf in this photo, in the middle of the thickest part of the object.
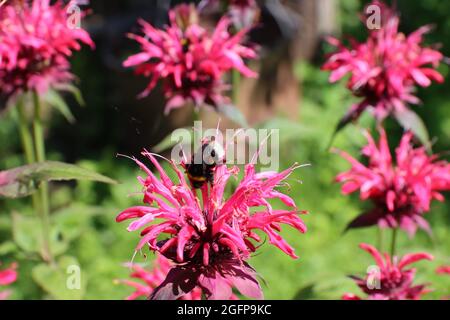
(409, 120)
(27, 234)
(54, 99)
(305, 293)
(72, 221)
(168, 141)
(352, 115)
(7, 247)
(63, 281)
(75, 92)
(288, 129)
(22, 181)
(233, 113)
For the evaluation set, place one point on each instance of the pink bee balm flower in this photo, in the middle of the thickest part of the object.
(443, 270)
(189, 60)
(36, 40)
(385, 69)
(209, 238)
(7, 277)
(401, 192)
(152, 279)
(390, 281)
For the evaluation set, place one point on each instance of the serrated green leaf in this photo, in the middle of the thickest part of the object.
(410, 120)
(54, 99)
(22, 181)
(61, 280)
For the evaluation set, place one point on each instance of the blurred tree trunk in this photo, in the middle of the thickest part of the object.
(319, 18)
(278, 89)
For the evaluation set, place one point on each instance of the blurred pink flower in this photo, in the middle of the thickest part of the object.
(443, 270)
(385, 69)
(401, 192)
(7, 277)
(209, 238)
(391, 281)
(190, 61)
(149, 280)
(35, 43)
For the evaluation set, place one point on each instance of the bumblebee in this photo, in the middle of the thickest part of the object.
(203, 163)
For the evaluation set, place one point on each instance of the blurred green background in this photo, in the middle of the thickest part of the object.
(110, 124)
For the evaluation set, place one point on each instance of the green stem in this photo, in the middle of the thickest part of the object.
(236, 81)
(38, 129)
(394, 241)
(43, 190)
(380, 238)
(196, 115)
(27, 145)
(25, 134)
